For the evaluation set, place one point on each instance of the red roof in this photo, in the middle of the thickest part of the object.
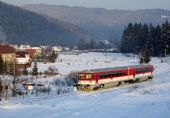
(6, 49)
(31, 52)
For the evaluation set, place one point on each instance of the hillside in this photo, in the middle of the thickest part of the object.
(19, 26)
(101, 23)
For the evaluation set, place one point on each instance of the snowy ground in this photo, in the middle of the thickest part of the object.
(150, 99)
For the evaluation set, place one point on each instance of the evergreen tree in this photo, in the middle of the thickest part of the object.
(150, 39)
(123, 41)
(137, 37)
(83, 45)
(53, 57)
(35, 69)
(165, 37)
(157, 41)
(92, 44)
(144, 36)
(144, 56)
(1, 65)
(25, 71)
(128, 39)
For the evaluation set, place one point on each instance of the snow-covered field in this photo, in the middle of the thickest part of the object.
(150, 99)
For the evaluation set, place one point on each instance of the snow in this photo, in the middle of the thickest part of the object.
(164, 16)
(149, 99)
(68, 63)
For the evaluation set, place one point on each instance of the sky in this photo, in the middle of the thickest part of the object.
(108, 4)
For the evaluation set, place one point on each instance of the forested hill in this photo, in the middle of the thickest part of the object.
(101, 23)
(19, 26)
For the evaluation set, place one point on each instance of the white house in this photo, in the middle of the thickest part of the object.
(22, 58)
(57, 48)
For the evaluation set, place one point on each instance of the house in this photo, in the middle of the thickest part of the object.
(23, 59)
(66, 48)
(38, 50)
(31, 52)
(8, 53)
(57, 48)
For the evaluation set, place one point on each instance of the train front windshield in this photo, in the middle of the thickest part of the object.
(85, 76)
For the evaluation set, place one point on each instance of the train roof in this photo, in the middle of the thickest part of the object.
(114, 68)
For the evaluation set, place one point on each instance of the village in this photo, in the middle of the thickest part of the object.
(19, 63)
(16, 69)
(25, 54)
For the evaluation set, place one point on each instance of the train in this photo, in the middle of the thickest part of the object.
(109, 77)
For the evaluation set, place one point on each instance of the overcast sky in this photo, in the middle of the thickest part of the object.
(109, 4)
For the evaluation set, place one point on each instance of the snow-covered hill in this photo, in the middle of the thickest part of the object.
(150, 99)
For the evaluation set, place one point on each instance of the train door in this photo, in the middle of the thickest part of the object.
(131, 72)
(96, 77)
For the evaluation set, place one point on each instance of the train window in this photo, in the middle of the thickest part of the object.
(113, 74)
(81, 76)
(105, 76)
(139, 71)
(88, 76)
(147, 69)
(110, 75)
(124, 73)
(117, 74)
(120, 73)
(101, 76)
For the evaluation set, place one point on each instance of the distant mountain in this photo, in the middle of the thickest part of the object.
(101, 23)
(20, 26)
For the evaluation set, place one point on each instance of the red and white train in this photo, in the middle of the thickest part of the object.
(109, 77)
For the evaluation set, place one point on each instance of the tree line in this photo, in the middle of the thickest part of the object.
(96, 44)
(138, 38)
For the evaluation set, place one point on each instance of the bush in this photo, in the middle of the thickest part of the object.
(52, 70)
(72, 78)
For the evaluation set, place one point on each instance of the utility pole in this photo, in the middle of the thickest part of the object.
(14, 81)
(36, 87)
(6, 88)
(35, 74)
(1, 88)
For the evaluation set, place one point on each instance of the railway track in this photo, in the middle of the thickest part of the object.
(36, 99)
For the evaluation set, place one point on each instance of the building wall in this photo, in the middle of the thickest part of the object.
(9, 57)
(38, 51)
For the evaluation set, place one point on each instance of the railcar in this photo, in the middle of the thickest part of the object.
(110, 77)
